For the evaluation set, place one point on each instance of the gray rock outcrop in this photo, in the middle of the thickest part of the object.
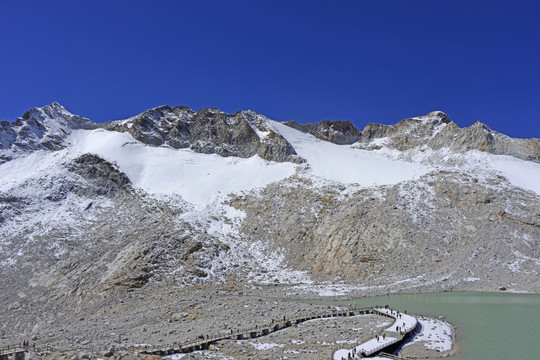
(41, 128)
(337, 132)
(105, 179)
(436, 131)
(209, 131)
(444, 225)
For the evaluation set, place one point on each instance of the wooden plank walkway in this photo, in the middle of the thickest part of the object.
(406, 324)
(17, 351)
(13, 352)
(205, 343)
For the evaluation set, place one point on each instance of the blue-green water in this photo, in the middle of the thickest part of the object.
(489, 325)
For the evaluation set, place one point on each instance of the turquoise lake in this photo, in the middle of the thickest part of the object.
(489, 325)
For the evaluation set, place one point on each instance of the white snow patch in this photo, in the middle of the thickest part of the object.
(524, 174)
(436, 333)
(346, 164)
(265, 346)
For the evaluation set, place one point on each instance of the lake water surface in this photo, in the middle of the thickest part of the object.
(489, 325)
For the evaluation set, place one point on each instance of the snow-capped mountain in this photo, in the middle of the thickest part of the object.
(39, 128)
(182, 197)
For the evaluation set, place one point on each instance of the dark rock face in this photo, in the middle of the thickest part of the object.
(208, 131)
(106, 179)
(338, 132)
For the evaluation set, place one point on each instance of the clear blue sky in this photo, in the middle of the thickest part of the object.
(364, 61)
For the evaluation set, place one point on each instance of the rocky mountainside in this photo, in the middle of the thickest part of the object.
(40, 128)
(178, 199)
(208, 131)
(436, 131)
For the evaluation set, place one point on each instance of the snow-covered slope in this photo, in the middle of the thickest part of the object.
(520, 173)
(199, 178)
(347, 164)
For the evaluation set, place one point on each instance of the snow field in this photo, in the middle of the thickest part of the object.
(345, 164)
(199, 178)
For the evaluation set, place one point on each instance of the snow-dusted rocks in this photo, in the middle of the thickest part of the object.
(344, 205)
(40, 128)
(436, 131)
(208, 131)
(406, 134)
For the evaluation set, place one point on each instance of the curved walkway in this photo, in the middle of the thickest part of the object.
(204, 343)
(402, 327)
(405, 323)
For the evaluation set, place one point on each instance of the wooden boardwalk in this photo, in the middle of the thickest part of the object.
(12, 352)
(206, 342)
(394, 337)
(17, 351)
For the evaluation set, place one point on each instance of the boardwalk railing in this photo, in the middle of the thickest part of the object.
(15, 349)
(391, 356)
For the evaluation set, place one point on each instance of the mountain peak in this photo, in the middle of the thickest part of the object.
(434, 116)
(481, 125)
(41, 128)
(436, 131)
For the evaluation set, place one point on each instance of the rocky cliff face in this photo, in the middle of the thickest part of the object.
(446, 226)
(208, 131)
(436, 131)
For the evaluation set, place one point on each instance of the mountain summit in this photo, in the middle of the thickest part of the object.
(40, 128)
(436, 131)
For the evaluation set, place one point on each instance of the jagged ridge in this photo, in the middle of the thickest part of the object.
(209, 131)
(436, 131)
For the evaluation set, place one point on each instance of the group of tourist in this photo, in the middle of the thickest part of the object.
(26, 345)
